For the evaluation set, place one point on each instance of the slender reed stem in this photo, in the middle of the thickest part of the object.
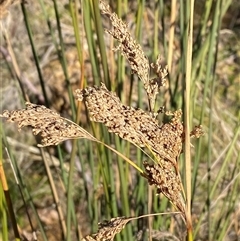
(187, 117)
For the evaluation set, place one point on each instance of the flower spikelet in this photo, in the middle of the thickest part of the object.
(166, 181)
(157, 82)
(197, 131)
(128, 46)
(50, 125)
(108, 229)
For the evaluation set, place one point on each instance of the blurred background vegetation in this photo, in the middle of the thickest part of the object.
(50, 48)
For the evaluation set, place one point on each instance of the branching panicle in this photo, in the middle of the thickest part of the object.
(134, 54)
(166, 181)
(134, 125)
(50, 125)
(107, 230)
(142, 129)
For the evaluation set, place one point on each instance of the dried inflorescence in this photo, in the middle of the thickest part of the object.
(50, 125)
(128, 47)
(157, 82)
(142, 129)
(108, 229)
(134, 54)
(134, 125)
(166, 181)
(197, 131)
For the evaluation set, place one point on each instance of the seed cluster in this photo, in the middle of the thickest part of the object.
(133, 52)
(108, 229)
(142, 129)
(50, 125)
(134, 125)
(127, 45)
(166, 181)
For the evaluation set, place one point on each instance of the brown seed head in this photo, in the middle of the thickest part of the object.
(50, 125)
(134, 125)
(166, 181)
